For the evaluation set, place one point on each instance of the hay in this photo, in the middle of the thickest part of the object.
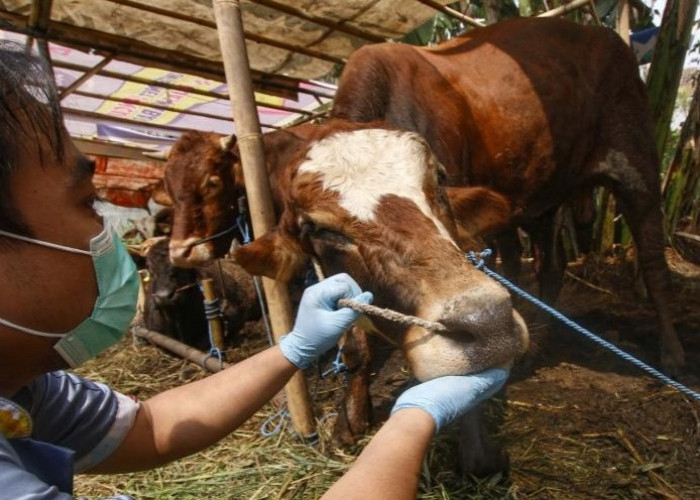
(577, 423)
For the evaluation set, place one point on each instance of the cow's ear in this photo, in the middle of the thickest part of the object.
(274, 255)
(478, 211)
(160, 195)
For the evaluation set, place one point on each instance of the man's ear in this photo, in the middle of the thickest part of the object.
(275, 255)
(478, 211)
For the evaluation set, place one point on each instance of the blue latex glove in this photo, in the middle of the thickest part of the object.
(319, 323)
(447, 398)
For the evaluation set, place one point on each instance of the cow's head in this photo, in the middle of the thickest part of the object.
(200, 179)
(204, 178)
(369, 200)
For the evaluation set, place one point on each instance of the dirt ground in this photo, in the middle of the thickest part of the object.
(576, 421)
(580, 422)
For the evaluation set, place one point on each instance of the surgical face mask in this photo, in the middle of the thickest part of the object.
(118, 285)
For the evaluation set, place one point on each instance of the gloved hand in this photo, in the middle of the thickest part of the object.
(446, 398)
(319, 323)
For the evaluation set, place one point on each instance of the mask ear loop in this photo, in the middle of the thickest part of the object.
(55, 246)
(31, 331)
(47, 244)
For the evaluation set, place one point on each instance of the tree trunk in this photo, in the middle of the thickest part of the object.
(667, 65)
(681, 186)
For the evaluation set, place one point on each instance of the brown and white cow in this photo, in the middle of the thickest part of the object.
(539, 110)
(370, 200)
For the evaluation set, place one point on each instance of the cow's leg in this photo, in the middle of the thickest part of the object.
(511, 249)
(479, 454)
(550, 256)
(355, 413)
(640, 203)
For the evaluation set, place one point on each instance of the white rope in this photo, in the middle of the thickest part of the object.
(391, 315)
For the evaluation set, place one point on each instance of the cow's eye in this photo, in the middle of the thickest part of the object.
(214, 181)
(441, 177)
(313, 231)
(308, 228)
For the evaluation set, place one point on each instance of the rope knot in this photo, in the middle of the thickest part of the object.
(212, 309)
(478, 258)
(338, 367)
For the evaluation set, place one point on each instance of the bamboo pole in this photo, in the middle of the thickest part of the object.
(86, 76)
(452, 13)
(235, 57)
(623, 20)
(134, 51)
(204, 360)
(217, 330)
(563, 9)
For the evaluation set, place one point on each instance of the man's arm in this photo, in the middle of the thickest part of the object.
(187, 419)
(389, 467)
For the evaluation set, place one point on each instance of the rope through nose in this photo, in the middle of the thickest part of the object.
(391, 315)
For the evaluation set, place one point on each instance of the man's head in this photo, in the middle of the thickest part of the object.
(47, 194)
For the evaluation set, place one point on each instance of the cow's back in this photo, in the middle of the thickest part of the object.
(517, 106)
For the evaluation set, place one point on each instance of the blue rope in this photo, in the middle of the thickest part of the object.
(480, 264)
(280, 416)
(338, 367)
(244, 229)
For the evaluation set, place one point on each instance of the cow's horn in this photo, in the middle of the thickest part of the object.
(226, 141)
(157, 155)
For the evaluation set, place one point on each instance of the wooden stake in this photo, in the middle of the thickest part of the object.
(623, 20)
(184, 351)
(240, 88)
(217, 330)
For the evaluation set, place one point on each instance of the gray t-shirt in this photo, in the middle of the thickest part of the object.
(58, 418)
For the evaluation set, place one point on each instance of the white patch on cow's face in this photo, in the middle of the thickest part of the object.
(363, 166)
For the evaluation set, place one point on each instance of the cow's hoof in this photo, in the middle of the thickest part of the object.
(347, 433)
(493, 461)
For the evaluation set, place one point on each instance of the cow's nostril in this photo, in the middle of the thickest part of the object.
(179, 252)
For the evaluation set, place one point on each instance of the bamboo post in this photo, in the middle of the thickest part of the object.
(623, 20)
(217, 331)
(236, 66)
(144, 281)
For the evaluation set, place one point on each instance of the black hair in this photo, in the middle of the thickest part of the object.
(30, 115)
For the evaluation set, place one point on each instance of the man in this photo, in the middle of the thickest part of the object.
(68, 291)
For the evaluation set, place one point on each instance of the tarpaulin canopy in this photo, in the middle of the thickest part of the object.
(135, 74)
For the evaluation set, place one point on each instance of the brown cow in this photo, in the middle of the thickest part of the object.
(537, 110)
(205, 181)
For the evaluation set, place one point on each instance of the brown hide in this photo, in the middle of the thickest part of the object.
(199, 180)
(205, 183)
(366, 199)
(538, 110)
